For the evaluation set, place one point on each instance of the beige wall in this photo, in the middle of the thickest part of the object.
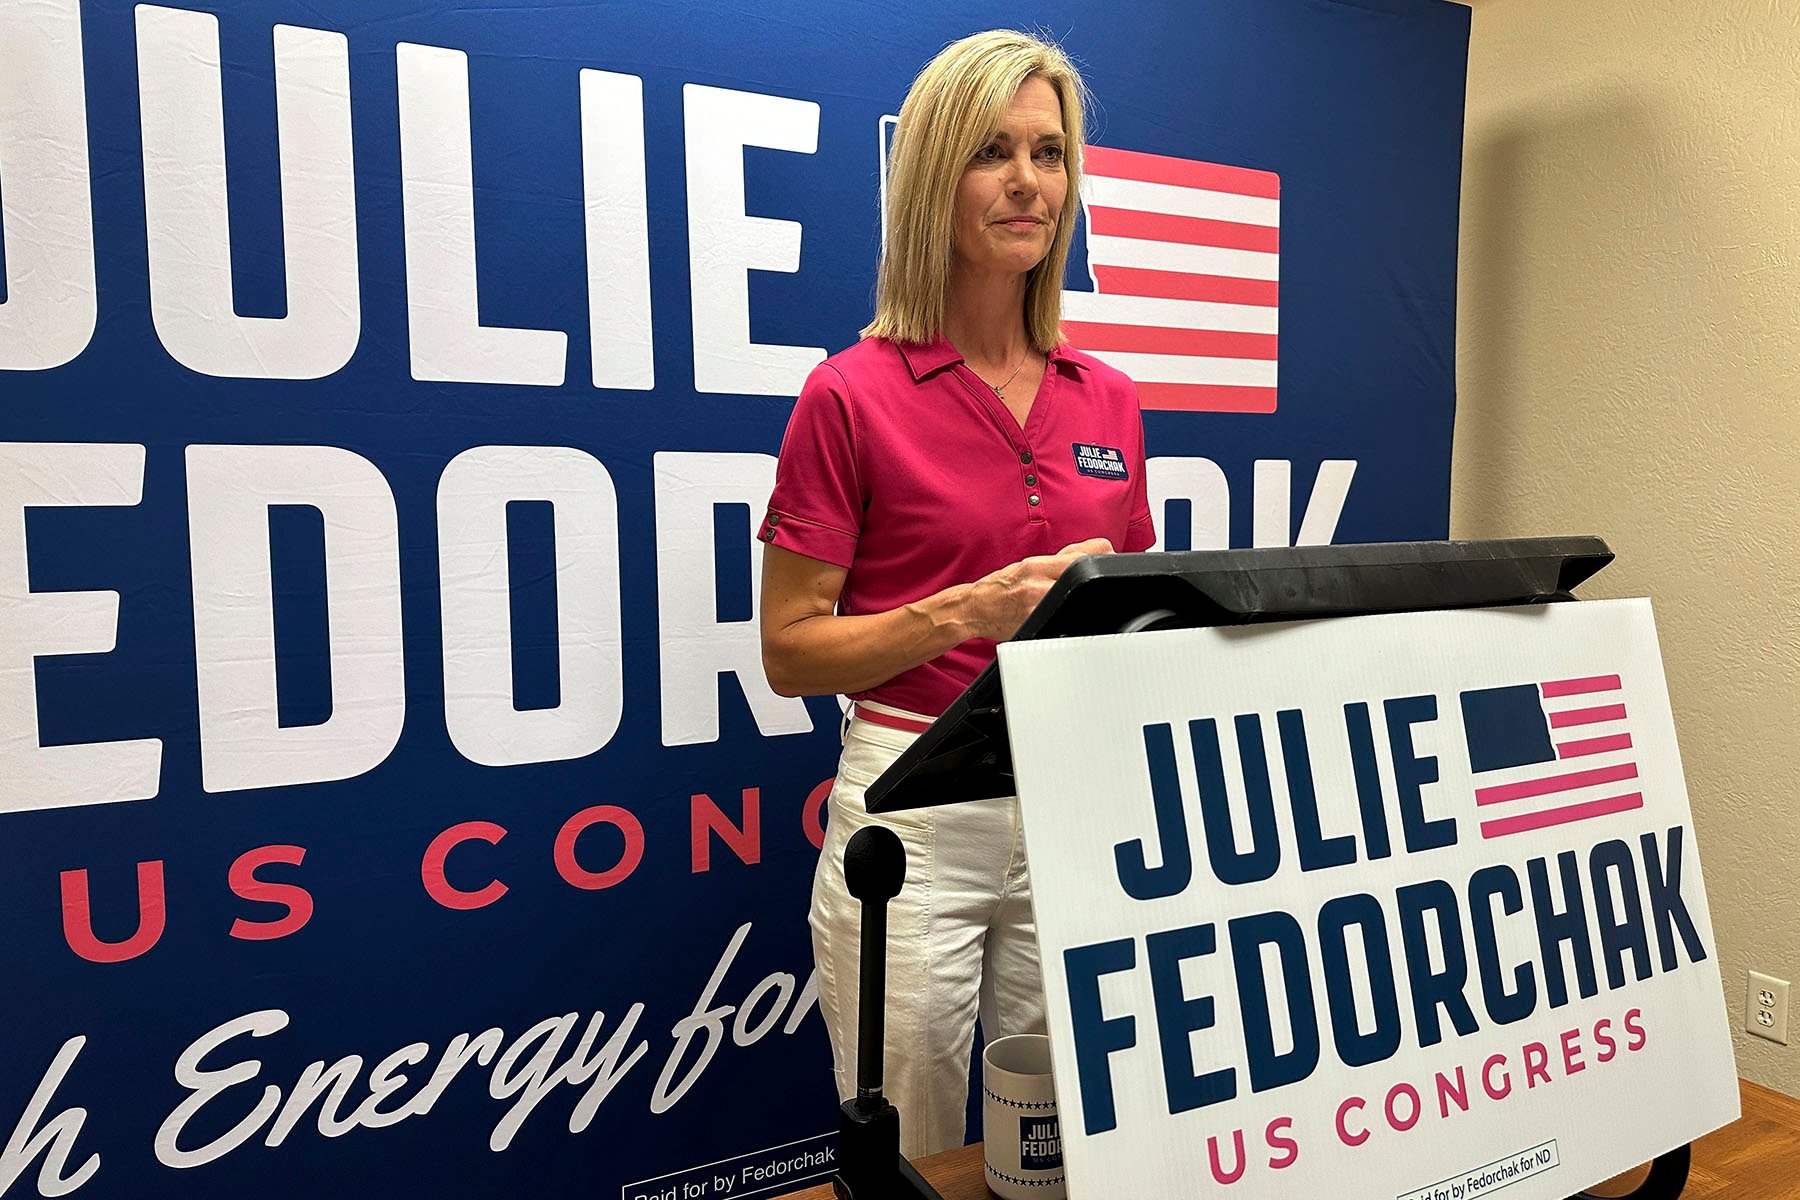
(1626, 365)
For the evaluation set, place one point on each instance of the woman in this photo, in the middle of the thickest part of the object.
(928, 495)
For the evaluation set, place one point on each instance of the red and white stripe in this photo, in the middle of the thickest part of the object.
(1184, 257)
(1595, 773)
(893, 718)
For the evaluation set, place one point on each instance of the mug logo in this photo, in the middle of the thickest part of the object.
(1040, 1144)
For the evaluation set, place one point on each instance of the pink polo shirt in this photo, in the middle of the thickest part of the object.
(901, 466)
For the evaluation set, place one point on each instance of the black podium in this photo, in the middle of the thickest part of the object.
(965, 755)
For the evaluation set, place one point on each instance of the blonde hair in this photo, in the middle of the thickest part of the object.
(953, 109)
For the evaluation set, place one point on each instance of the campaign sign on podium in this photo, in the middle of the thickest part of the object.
(1391, 906)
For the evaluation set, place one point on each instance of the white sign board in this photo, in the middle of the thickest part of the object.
(1398, 906)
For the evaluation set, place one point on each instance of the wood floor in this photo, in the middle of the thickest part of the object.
(1756, 1157)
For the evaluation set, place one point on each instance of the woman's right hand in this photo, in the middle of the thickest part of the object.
(811, 650)
(999, 602)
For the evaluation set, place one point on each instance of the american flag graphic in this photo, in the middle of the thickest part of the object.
(1549, 753)
(1183, 258)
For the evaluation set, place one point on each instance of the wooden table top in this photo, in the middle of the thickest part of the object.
(955, 1173)
(1756, 1157)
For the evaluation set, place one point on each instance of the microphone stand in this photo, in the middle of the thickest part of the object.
(870, 1165)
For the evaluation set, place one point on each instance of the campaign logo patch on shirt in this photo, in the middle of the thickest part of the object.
(1102, 462)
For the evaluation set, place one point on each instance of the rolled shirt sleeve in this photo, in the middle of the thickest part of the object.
(817, 506)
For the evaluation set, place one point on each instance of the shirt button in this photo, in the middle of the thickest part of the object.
(774, 520)
(1025, 457)
(1033, 500)
(1030, 480)
(768, 535)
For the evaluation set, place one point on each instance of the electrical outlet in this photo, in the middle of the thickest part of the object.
(1766, 1007)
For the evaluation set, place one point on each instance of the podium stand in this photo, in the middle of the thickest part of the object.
(965, 754)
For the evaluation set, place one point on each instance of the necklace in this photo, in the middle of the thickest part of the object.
(1000, 388)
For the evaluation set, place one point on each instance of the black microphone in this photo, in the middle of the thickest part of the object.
(870, 1165)
(874, 870)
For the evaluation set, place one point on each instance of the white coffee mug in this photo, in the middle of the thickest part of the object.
(1023, 1140)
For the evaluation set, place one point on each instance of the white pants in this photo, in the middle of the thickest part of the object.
(960, 937)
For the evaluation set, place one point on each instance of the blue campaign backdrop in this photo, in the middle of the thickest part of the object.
(681, 842)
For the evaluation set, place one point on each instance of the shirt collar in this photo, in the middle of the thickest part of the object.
(1062, 357)
(928, 358)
